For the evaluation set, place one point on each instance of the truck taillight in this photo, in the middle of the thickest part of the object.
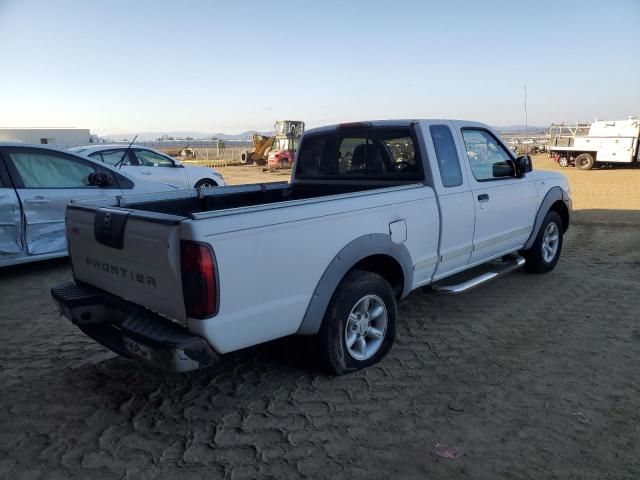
(199, 279)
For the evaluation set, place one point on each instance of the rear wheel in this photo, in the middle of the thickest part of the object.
(544, 254)
(563, 162)
(585, 161)
(358, 328)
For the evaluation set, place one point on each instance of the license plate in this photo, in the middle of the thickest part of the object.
(137, 349)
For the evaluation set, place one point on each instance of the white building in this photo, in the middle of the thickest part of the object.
(59, 137)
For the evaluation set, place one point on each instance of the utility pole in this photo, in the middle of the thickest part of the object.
(525, 110)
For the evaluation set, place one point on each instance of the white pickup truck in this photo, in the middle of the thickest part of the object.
(373, 211)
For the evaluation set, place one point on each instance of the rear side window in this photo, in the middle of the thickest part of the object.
(360, 153)
(112, 157)
(447, 155)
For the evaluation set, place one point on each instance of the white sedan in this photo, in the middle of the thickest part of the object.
(143, 162)
(37, 183)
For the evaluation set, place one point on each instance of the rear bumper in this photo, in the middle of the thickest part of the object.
(132, 331)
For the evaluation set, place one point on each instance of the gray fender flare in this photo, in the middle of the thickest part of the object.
(352, 253)
(553, 195)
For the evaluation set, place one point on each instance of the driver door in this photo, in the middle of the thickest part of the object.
(46, 180)
(505, 206)
(160, 168)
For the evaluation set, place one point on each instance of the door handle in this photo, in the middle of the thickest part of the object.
(483, 197)
(145, 173)
(37, 200)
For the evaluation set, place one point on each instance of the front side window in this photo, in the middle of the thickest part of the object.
(446, 155)
(487, 157)
(360, 153)
(50, 170)
(147, 158)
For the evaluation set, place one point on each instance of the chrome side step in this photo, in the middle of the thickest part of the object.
(501, 269)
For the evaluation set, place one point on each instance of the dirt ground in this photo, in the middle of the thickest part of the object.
(527, 377)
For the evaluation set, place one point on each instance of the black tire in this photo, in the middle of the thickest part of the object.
(333, 350)
(585, 161)
(536, 262)
(205, 182)
(246, 158)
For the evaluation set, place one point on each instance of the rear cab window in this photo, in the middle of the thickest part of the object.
(360, 153)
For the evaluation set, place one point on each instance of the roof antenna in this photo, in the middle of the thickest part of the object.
(121, 161)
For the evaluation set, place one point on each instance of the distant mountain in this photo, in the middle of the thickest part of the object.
(151, 136)
(520, 129)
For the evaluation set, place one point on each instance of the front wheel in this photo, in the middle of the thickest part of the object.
(358, 328)
(544, 254)
(205, 183)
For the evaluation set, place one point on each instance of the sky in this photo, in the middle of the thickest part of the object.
(214, 66)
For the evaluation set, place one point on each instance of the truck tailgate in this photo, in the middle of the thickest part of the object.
(133, 256)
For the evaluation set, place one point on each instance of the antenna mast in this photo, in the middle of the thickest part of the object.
(525, 110)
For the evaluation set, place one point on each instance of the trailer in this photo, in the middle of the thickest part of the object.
(606, 143)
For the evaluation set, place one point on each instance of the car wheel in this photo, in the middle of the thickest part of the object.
(563, 162)
(585, 161)
(205, 183)
(544, 254)
(358, 328)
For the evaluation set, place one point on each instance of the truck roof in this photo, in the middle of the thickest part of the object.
(390, 123)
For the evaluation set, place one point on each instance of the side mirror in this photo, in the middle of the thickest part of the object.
(100, 179)
(502, 169)
(523, 165)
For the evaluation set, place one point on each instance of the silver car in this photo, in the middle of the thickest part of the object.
(143, 162)
(36, 183)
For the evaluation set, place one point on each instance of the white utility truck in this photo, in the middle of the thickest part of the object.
(373, 211)
(608, 142)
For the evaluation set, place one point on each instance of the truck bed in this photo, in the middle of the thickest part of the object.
(193, 203)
